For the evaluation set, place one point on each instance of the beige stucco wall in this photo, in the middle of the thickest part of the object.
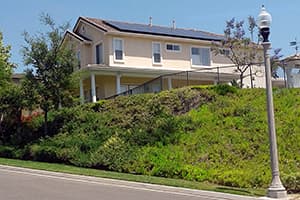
(138, 53)
(105, 86)
(88, 52)
(138, 50)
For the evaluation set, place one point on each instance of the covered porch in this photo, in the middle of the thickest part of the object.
(107, 82)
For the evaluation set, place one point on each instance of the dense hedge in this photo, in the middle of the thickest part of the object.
(216, 134)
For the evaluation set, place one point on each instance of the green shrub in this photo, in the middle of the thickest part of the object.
(218, 134)
(224, 89)
(159, 161)
(235, 178)
(114, 155)
(194, 173)
(292, 182)
(43, 153)
(6, 151)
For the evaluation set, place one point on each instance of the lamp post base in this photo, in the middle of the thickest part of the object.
(278, 193)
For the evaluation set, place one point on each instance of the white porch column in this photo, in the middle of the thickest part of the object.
(81, 91)
(93, 88)
(289, 77)
(118, 83)
(169, 83)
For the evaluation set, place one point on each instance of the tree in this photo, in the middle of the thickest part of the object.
(244, 53)
(252, 26)
(275, 62)
(11, 98)
(14, 99)
(53, 64)
(6, 67)
(9, 109)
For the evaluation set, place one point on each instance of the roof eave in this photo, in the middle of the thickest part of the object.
(88, 22)
(77, 37)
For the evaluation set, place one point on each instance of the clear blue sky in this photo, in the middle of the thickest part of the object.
(210, 15)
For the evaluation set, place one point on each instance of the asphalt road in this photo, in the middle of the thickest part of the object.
(25, 184)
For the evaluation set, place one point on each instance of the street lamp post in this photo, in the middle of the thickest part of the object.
(276, 189)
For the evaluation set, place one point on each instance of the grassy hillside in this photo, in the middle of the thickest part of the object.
(217, 134)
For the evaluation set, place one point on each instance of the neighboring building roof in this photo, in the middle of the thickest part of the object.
(292, 57)
(109, 25)
(292, 61)
(16, 78)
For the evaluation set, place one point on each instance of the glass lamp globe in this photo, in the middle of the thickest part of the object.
(264, 19)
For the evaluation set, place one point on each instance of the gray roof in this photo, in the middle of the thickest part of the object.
(164, 31)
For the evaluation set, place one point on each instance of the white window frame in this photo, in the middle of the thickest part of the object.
(173, 44)
(160, 52)
(201, 47)
(98, 43)
(114, 50)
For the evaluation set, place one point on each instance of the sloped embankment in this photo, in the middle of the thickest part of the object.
(216, 134)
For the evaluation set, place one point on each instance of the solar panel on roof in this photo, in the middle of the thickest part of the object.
(166, 31)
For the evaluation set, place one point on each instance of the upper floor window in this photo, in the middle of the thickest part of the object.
(118, 49)
(99, 54)
(156, 53)
(173, 47)
(200, 56)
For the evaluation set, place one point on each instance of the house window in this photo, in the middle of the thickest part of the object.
(173, 47)
(118, 49)
(156, 53)
(200, 56)
(99, 53)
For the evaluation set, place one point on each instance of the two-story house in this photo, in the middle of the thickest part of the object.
(116, 56)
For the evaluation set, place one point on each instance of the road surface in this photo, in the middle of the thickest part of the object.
(25, 184)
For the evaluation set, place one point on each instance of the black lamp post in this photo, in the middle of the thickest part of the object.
(276, 189)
